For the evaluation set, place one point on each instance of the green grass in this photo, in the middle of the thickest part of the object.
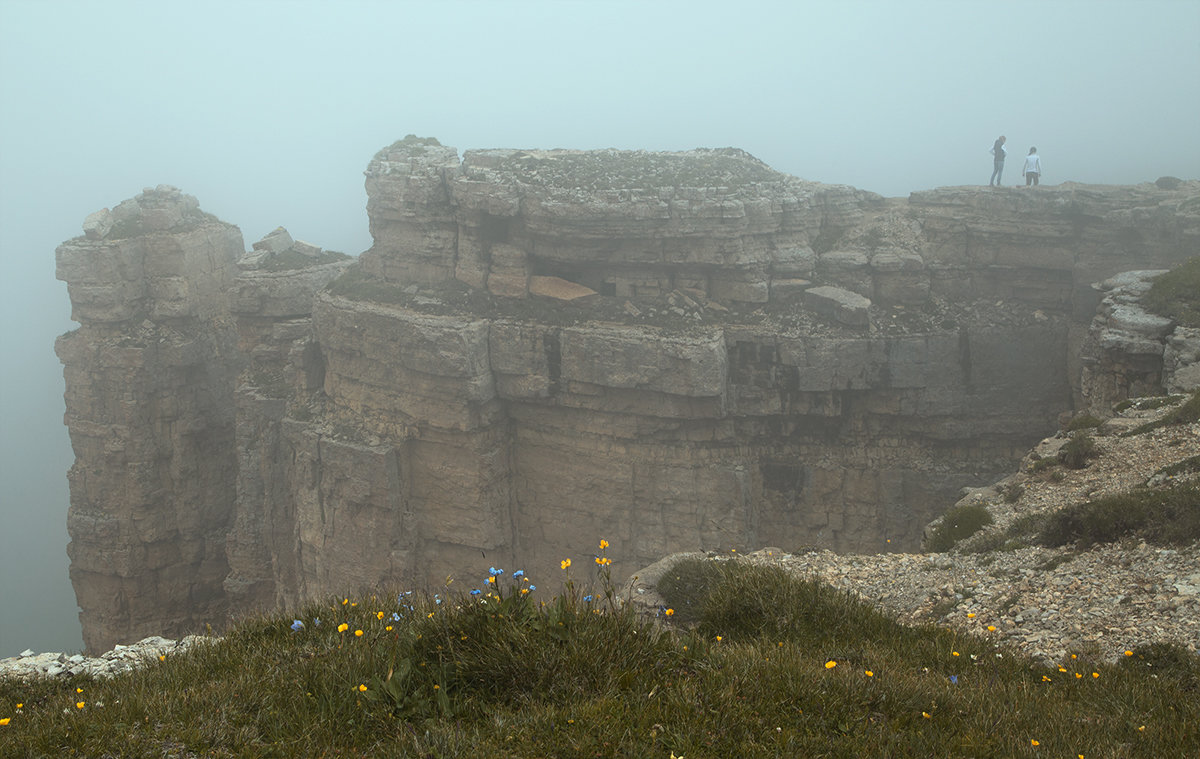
(775, 666)
(1176, 294)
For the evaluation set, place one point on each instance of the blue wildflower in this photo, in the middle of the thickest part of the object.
(532, 587)
(475, 592)
(518, 573)
(317, 621)
(493, 571)
(395, 617)
(587, 599)
(297, 625)
(954, 679)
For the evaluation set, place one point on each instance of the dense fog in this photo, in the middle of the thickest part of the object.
(269, 111)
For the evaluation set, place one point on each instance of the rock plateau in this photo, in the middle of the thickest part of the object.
(675, 351)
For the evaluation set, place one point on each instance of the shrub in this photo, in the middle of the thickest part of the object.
(1076, 453)
(957, 524)
(1084, 422)
(1168, 517)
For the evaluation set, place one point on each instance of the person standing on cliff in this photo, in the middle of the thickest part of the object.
(998, 155)
(1033, 167)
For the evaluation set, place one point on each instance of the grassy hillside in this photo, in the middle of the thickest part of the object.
(768, 665)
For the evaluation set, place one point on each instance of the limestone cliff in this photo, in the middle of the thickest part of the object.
(675, 351)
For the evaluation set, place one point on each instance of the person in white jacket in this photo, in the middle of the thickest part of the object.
(1033, 167)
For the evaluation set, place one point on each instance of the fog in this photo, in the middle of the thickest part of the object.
(268, 112)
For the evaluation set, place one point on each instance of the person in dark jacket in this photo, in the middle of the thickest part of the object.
(998, 154)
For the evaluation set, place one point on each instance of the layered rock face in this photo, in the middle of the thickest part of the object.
(150, 375)
(672, 351)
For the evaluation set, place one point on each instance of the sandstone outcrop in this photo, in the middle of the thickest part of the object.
(674, 351)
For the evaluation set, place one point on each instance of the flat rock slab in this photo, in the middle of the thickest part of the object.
(846, 307)
(562, 290)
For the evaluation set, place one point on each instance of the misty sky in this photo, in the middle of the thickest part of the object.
(269, 111)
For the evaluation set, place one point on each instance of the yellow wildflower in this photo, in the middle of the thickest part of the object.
(345, 601)
(79, 690)
(1033, 742)
(869, 673)
(4, 721)
(362, 687)
(603, 544)
(970, 615)
(565, 563)
(926, 715)
(379, 615)
(1095, 674)
(358, 633)
(1077, 675)
(830, 664)
(954, 653)
(79, 704)
(1129, 653)
(343, 627)
(991, 628)
(669, 612)
(388, 628)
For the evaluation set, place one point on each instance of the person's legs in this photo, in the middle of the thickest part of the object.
(997, 171)
(1035, 178)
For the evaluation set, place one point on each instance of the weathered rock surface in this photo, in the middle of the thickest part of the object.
(1130, 352)
(118, 660)
(248, 437)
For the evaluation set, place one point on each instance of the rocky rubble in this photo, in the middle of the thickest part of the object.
(117, 661)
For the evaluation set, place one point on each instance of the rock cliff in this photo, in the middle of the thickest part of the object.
(677, 351)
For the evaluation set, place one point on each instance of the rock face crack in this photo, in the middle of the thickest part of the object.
(729, 355)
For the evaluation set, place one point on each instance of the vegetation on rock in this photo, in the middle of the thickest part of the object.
(1176, 294)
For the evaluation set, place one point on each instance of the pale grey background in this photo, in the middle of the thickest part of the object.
(269, 111)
